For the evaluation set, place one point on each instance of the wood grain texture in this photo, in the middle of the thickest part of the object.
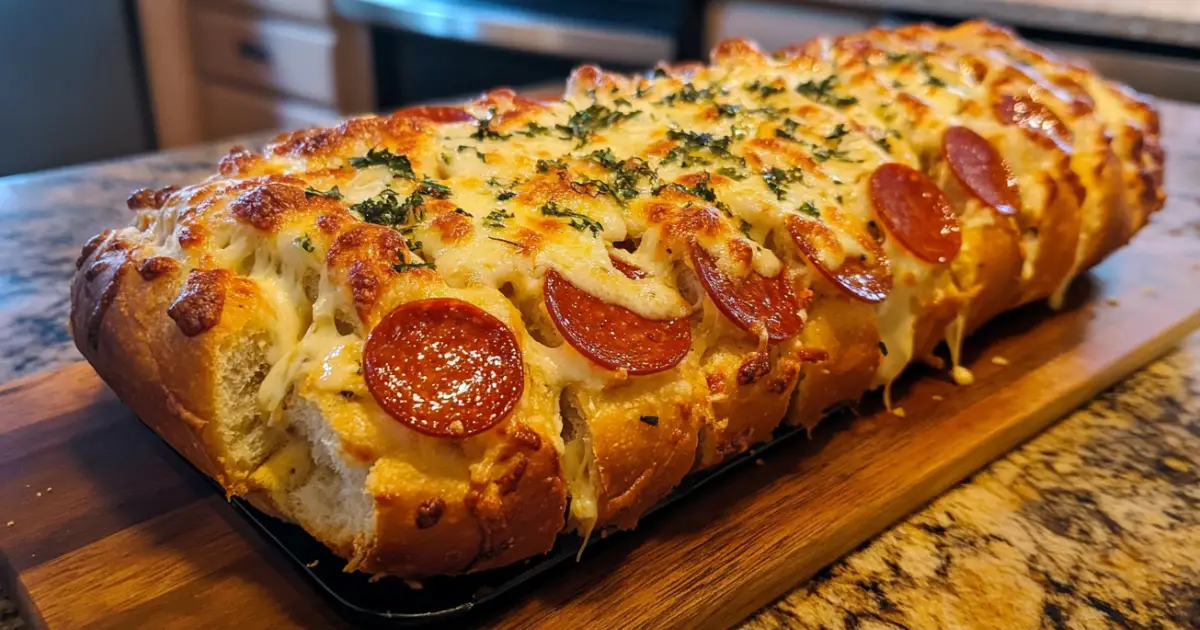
(112, 530)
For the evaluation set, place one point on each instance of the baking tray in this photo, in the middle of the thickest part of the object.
(391, 602)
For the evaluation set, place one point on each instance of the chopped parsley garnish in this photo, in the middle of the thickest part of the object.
(583, 124)
(745, 227)
(409, 266)
(778, 179)
(479, 154)
(495, 218)
(822, 92)
(689, 94)
(626, 175)
(659, 72)
(691, 141)
(787, 130)
(578, 221)
(837, 133)
(484, 130)
(822, 154)
(433, 188)
(884, 144)
(604, 157)
(680, 154)
(413, 245)
(305, 243)
(731, 173)
(895, 58)
(650, 420)
(930, 80)
(332, 193)
(621, 102)
(494, 182)
(810, 209)
(726, 110)
(397, 164)
(769, 112)
(386, 208)
(701, 190)
(533, 129)
(764, 90)
(545, 165)
(505, 195)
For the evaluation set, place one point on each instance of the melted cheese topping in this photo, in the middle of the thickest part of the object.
(722, 157)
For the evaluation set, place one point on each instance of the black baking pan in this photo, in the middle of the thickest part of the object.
(391, 602)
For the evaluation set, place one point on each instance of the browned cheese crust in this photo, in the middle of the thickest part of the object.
(438, 338)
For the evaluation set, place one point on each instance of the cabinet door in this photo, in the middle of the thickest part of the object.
(228, 112)
(292, 58)
(775, 25)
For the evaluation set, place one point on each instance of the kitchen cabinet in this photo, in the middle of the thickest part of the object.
(231, 67)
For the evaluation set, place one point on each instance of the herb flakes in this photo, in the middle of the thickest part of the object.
(433, 188)
(544, 165)
(583, 124)
(495, 218)
(777, 180)
(822, 92)
(578, 220)
(399, 165)
(332, 193)
(484, 131)
(386, 208)
(479, 154)
(533, 129)
(765, 90)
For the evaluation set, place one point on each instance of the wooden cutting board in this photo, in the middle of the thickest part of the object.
(109, 528)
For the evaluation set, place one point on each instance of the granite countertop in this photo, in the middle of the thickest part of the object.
(1094, 523)
(1174, 22)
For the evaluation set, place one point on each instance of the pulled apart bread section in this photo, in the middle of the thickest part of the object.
(437, 339)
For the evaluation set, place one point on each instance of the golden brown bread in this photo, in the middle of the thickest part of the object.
(437, 339)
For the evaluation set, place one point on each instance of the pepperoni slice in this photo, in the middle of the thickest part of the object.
(444, 367)
(612, 335)
(979, 168)
(632, 272)
(1029, 114)
(438, 114)
(866, 277)
(916, 212)
(752, 302)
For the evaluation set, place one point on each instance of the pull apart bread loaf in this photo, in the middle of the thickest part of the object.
(439, 338)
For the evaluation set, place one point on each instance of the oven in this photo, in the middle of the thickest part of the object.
(428, 50)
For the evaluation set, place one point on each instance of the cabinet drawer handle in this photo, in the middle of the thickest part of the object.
(253, 51)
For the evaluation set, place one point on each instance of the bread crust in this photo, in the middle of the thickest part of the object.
(233, 317)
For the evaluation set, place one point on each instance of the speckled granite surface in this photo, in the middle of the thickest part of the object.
(1093, 524)
(45, 218)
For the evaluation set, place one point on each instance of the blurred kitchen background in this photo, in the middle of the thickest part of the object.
(85, 80)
